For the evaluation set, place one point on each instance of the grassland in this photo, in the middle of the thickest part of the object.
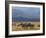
(17, 27)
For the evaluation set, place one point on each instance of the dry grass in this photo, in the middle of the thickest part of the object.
(15, 26)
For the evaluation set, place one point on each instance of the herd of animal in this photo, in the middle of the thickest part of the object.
(26, 25)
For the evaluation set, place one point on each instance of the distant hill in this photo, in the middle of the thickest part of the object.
(24, 19)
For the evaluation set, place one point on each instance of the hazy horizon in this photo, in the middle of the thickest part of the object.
(25, 14)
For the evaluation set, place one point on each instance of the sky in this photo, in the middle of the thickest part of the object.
(20, 13)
